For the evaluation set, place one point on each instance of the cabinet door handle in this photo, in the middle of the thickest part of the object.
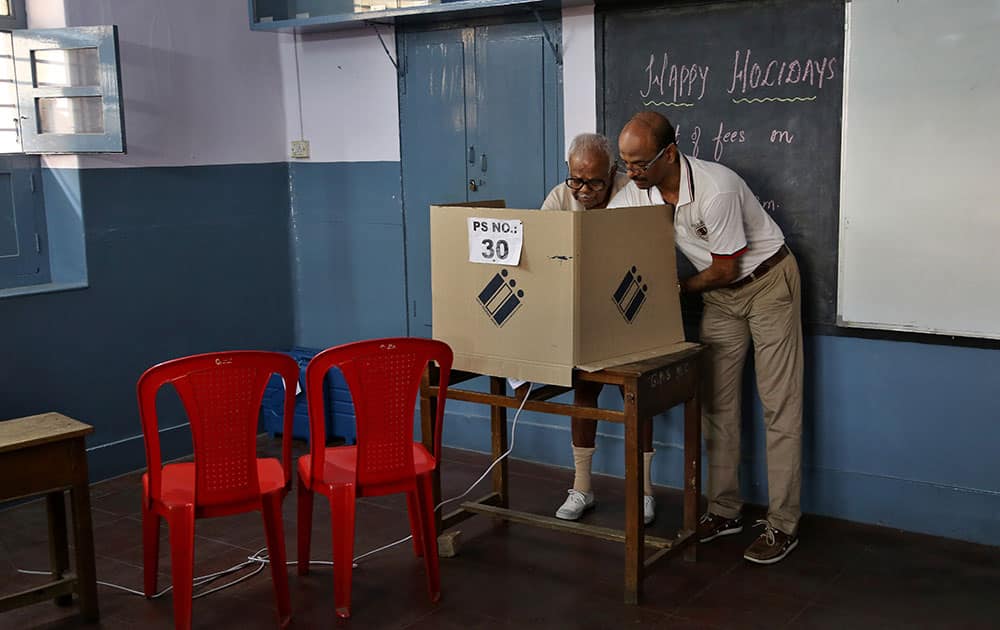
(484, 162)
(472, 155)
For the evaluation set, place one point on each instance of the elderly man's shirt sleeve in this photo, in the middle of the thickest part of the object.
(724, 221)
(552, 202)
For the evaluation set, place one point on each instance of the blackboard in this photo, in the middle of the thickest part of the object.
(757, 86)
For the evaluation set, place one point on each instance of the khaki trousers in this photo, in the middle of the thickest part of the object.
(768, 311)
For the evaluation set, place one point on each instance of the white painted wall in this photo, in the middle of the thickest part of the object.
(199, 86)
(349, 100)
(579, 78)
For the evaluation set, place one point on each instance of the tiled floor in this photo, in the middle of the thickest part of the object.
(841, 576)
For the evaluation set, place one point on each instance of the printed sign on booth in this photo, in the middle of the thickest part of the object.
(495, 241)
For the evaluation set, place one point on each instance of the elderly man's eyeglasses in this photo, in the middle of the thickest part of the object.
(639, 168)
(596, 185)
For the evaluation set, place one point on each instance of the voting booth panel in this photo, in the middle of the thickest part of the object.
(532, 294)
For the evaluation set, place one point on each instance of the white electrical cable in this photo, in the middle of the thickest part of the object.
(513, 430)
(260, 559)
(254, 559)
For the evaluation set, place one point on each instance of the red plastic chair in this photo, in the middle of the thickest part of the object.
(383, 376)
(221, 393)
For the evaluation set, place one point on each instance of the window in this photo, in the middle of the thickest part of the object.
(23, 261)
(61, 89)
(60, 92)
(12, 14)
(68, 89)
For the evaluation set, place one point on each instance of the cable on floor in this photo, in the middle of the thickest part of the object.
(259, 559)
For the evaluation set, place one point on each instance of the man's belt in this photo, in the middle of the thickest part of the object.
(762, 268)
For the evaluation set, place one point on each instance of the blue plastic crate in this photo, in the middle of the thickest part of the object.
(336, 399)
(339, 398)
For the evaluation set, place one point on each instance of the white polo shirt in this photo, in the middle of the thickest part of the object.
(561, 197)
(716, 215)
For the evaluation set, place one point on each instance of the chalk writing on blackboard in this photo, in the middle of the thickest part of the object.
(665, 104)
(683, 81)
(685, 84)
(775, 99)
(752, 75)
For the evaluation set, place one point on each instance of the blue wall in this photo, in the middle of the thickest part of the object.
(347, 242)
(181, 260)
(192, 259)
(898, 434)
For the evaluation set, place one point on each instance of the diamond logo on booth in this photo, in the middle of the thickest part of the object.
(630, 295)
(499, 298)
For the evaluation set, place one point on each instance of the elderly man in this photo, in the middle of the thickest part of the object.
(749, 283)
(592, 180)
(591, 184)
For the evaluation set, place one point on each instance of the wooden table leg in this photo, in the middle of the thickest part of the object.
(55, 503)
(83, 536)
(635, 534)
(498, 425)
(692, 470)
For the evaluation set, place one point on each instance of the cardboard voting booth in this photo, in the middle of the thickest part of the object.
(533, 294)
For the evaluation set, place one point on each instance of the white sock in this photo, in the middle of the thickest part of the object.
(647, 484)
(582, 458)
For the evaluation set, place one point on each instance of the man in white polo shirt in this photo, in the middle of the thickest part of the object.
(749, 282)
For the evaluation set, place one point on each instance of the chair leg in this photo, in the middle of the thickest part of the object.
(342, 524)
(304, 526)
(430, 537)
(413, 509)
(180, 521)
(150, 548)
(275, 531)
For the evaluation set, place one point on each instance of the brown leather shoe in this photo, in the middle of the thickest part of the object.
(771, 546)
(711, 526)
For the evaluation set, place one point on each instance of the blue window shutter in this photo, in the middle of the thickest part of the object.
(81, 110)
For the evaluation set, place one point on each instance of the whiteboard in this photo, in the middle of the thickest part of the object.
(920, 174)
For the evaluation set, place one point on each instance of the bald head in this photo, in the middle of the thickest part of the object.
(646, 145)
(652, 124)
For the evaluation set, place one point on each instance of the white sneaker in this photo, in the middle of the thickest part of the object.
(648, 509)
(575, 505)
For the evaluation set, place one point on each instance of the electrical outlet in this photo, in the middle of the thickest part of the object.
(300, 148)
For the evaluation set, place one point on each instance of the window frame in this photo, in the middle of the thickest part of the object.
(17, 19)
(51, 241)
(105, 40)
(31, 265)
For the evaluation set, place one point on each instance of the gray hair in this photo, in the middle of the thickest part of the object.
(592, 142)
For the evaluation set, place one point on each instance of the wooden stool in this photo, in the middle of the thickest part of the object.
(45, 454)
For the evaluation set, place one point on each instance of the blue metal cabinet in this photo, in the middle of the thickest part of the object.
(480, 118)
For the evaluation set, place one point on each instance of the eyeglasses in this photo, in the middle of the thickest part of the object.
(639, 169)
(596, 185)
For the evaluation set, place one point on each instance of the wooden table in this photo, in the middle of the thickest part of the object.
(648, 388)
(45, 454)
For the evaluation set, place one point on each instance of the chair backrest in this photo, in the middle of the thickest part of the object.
(383, 376)
(221, 393)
